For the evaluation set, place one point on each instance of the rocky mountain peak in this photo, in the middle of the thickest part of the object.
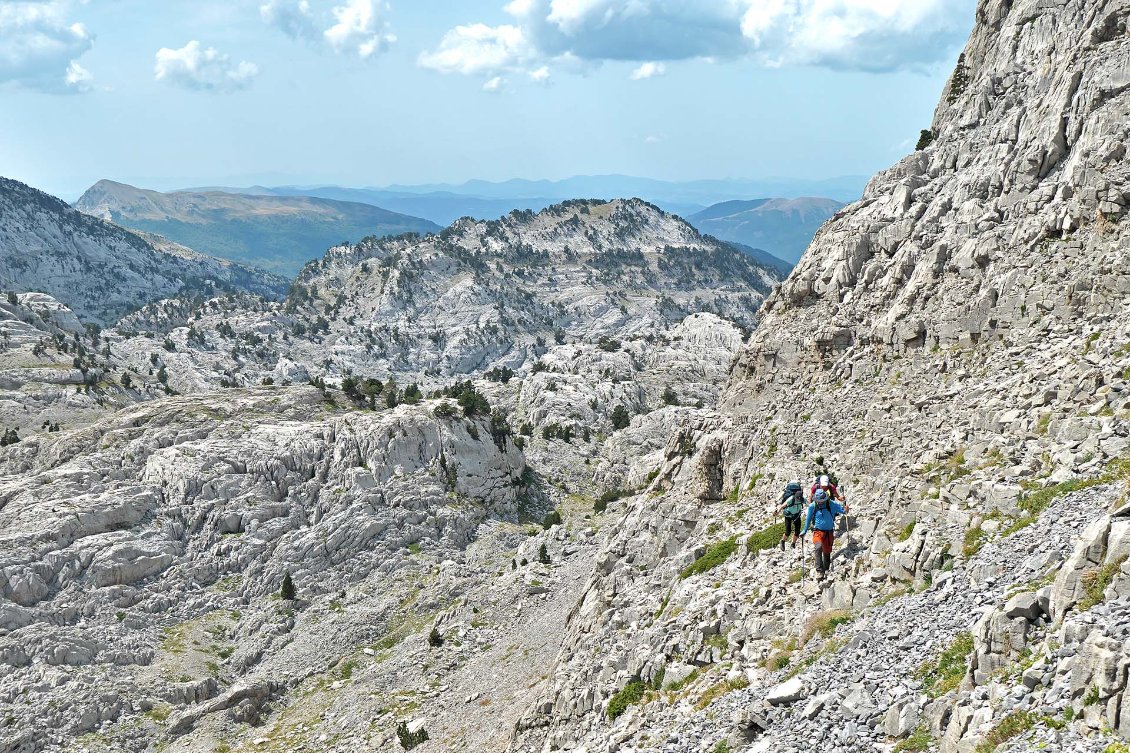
(98, 269)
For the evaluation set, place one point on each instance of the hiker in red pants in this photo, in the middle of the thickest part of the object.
(821, 518)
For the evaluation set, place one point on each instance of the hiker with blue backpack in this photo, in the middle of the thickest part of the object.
(822, 513)
(792, 505)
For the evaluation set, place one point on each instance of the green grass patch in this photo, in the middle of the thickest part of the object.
(974, 540)
(907, 531)
(1016, 723)
(919, 740)
(676, 685)
(765, 539)
(629, 695)
(715, 555)
(718, 690)
(944, 675)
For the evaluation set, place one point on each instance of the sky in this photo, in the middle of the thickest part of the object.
(177, 93)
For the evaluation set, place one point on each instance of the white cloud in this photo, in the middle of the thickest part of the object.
(540, 75)
(349, 27)
(494, 85)
(293, 17)
(203, 69)
(872, 35)
(479, 49)
(868, 35)
(78, 78)
(360, 29)
(39, 46)
(648, 70)
(651, 140)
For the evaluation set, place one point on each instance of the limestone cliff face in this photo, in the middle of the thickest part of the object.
(978, 291)
(948, 344)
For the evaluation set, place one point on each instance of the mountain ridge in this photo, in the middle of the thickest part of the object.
(99, 270)
(265, 230)
(784, 227)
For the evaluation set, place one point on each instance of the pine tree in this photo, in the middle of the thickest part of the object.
(543, 555)
(287, 592)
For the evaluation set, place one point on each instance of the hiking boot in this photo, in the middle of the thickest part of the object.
(782, 545)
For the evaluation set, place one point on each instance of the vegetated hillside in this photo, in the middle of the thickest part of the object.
(279, 233)
(783, 227)
(956, 348)
(443, 207)
(98, 269)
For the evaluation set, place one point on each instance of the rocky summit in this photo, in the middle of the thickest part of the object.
(514, 486)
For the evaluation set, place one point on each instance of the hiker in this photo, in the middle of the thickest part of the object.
(825, 483)
(821, 518)
(792, 505)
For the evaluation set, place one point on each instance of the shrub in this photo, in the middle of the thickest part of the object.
(435, 640)
(669, 396)
(631, 694)
(620, 417)
(444, 410)
(765, 539)
(409, 739)
(925, 138)
(947, 673)
(607, 497)
(126, 381)
(714, 556)
(552, 518)
(608, 344)
(543, 555)
(287, 592)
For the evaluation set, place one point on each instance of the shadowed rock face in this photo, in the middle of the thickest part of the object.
(947, 345)
(99, 270)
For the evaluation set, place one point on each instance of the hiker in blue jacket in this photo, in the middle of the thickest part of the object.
(821, 518)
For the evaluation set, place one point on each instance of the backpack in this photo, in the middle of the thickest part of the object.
(793, 499)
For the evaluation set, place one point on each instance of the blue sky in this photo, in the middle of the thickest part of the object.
(365, 92)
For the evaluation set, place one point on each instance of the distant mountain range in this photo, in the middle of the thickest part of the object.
(272, 232)
(768, 229)
(784, 227)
